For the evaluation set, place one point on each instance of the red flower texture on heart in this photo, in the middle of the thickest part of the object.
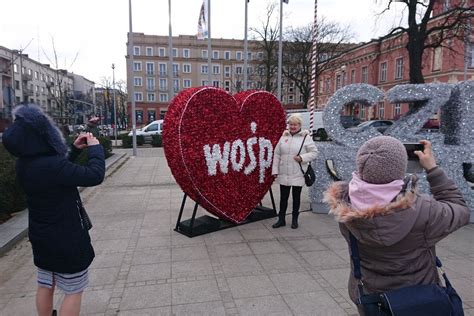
(220, 147)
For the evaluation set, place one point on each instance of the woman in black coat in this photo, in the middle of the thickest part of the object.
(59, 236)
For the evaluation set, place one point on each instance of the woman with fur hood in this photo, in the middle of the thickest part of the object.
(61, 245)
(396, 228)
(287, 159)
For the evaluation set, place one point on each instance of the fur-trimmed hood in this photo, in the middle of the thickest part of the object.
(302, 132)
(33, 134)
(376, 225)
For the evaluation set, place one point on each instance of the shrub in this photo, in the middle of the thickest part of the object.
(127, 141)
(13, 198)
(157, 141)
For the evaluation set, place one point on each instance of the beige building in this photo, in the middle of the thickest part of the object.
(149, 74)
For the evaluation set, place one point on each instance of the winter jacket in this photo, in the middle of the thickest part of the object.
(50, 181)
(397, 241)
(288, 169)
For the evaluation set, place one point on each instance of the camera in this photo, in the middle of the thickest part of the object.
(413, 165)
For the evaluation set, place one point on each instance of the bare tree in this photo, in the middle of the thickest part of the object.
(266, 37)
(424, 31)
(332, 40)
(121, 89)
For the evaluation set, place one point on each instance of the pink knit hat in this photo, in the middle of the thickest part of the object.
(382, 159)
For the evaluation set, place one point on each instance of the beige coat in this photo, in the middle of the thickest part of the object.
(288, 169)
(397, 242)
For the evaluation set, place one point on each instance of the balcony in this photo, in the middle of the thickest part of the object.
(163, 73)
(150, 73)
(150, 88)
(28, 92)
(26, 77)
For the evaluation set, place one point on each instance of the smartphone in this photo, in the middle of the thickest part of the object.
(413, 160)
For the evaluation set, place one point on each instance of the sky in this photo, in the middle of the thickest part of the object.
(90, 35)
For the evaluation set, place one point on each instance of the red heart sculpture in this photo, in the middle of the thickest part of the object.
(220, 147)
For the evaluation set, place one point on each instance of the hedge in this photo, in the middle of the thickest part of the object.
(128, 143)
(13, 198)
(157, 141)
(82, 158)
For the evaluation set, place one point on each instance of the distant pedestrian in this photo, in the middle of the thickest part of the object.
(395, 227)
(295, 148)
(57, 230)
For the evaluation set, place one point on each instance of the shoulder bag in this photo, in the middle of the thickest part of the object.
(416, 300)
(309, 176)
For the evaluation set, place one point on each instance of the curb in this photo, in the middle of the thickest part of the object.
(15, 229)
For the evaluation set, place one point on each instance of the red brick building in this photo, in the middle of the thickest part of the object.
(384, 63)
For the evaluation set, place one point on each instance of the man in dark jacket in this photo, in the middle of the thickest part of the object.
(59, 236)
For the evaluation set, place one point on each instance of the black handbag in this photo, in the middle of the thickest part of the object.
(309, 176)
(83, 216)
(416, 300)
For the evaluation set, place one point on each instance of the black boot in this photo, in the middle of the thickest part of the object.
(294, 221)
(281, 220)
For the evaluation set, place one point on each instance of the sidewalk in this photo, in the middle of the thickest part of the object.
(143, 267)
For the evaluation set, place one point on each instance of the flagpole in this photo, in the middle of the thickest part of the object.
(209, 52)
(170, 57)
(132, 88)
(245, 46)
(314, 59)
(280, 51)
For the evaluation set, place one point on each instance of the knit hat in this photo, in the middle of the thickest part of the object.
(382, 159)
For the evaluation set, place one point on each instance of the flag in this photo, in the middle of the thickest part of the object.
(202, 23)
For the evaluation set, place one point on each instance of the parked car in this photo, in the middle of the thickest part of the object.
(349, 121)
(154, 128)
(431, 124)
(380, 125)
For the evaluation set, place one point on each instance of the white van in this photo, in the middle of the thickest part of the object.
(305, 116)
(154, 128)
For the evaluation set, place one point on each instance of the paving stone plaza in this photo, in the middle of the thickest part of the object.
(143, 267)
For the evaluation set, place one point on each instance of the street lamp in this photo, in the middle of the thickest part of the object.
(115, 108)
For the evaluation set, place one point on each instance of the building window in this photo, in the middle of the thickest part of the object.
(365, 75)
(162, 69)
(175, 85)
(227, 71)
(238, 55)
(327, 85)
(216, 69)
(227, 55)
(238, 70)
(139, 116)
(150, 83)
(151, 115)
(362, 111)
(137, 81)
(186, 53)
(381, 110)
(138, 96)
(383, 72)
(397, 110)
(437, 57)
(186, 68)
(36, 75)
(149, 51)
(151, 97)
(163, 84)
(249, 56)
(186, 83)
(175, 70)
(471, 55)
(204, 69)
(399, 68)
(136, 50)
(353, 76)
(338, 81)
(215, 83)
(162, 52)
(320, 86)
(175, 52)
(15, 68)
(291, 99)
(203, 82)
(227, 85)
(150, 69)
(446, 5)
(137, 66)
(163, 97)
(215, 54)
(249, 70)
(260, 55)
(204, 54)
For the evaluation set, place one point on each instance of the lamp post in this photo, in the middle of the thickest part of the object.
(115, 107)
